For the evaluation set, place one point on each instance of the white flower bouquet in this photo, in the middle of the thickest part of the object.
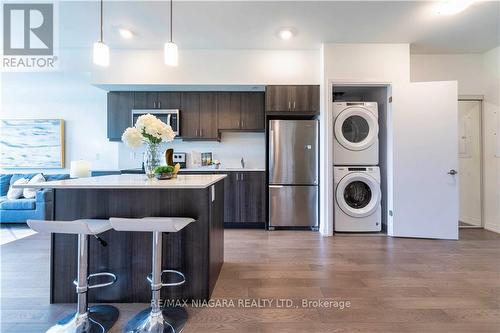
(147, 129)
(151, 131)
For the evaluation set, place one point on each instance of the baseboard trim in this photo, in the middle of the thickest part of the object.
(470, 220)
(492, 227)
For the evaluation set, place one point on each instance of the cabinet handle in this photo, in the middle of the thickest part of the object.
(294, 105)
(237, 176)
(201, 132)
(159, 105)
(242, 176)
(289, 105)
(242, 124)
(154, 104)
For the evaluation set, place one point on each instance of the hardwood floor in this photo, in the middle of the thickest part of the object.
(393, 285)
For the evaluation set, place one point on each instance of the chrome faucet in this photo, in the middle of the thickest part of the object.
(242, 163)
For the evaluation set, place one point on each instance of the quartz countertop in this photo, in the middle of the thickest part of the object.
(201, 169)
(131, 181)
(222, 169)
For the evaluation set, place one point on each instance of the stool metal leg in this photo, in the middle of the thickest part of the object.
(97, 319)
(157, 319)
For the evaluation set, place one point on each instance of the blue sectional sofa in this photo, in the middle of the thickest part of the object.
(19, 210)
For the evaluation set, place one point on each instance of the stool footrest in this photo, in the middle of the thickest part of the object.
(172, 284)
(99, 285)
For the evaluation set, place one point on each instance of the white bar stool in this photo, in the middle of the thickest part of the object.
(98, 318)
(156, 319)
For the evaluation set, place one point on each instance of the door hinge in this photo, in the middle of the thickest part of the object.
(390, 99)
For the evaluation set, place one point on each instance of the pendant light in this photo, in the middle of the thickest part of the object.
(101, 50)
(170, 50)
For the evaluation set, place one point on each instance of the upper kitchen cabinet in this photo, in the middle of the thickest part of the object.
(199, 116)
(120, 105)
(240, 111)
(252, 111)
(157, 100)
(228, 110)
(296, 98)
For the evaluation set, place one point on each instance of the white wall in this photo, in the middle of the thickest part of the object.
(63, 94)
(212, 67)
(477, 74)
(464, 68)
(491, 121)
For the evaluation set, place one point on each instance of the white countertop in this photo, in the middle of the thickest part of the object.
(131, 181)
(222, 169)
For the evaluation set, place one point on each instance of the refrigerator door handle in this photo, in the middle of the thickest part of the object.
(275, 186)
(271, 153)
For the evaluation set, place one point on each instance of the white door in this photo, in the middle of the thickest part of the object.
(425, 158)
(469, 162)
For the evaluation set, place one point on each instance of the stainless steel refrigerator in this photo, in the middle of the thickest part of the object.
(293, 173)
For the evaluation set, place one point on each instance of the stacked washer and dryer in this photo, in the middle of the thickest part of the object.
(356, 172)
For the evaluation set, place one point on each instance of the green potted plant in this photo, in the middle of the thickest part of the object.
(163, 172)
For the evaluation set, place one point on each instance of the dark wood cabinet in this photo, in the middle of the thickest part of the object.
(157, 100)
(252, 196)
(278, 98)
(231, 198)
(244, 197)
(292, 98)
(228, 110)
(198, 116)
(240, 111)
(169, 100)
(252, 111)
(208, 116)
(202, 114)
(120, 105)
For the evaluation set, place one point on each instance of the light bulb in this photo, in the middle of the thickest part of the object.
(171, 54)
(286, 34)
(125, 33)
(101, 54)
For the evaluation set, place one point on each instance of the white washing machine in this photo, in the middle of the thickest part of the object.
(357, 199)
(356, 133)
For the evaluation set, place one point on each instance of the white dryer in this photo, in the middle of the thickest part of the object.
(356, 133)
(357, 199)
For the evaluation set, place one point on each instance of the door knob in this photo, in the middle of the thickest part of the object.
(452, 172)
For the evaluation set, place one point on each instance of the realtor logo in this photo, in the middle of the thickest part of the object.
(28, 29)
(28, 36)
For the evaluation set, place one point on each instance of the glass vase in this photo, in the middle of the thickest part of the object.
(151, 159)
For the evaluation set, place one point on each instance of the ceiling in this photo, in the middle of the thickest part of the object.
(255, 24)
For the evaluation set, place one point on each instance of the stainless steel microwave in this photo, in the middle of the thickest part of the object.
(168, 116)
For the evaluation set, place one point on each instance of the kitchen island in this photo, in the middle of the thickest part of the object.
(197, 250)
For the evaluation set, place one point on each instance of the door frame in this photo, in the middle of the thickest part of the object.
(326, 188)
(477, 98)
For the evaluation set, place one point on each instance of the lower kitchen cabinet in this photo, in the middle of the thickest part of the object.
(252, 196)
(244, 197)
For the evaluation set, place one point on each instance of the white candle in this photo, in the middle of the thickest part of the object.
(79, 169)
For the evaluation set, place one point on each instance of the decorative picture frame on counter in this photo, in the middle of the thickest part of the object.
(32, 143)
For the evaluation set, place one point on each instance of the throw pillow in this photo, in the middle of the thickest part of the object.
(16, 193)
(30, 193)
